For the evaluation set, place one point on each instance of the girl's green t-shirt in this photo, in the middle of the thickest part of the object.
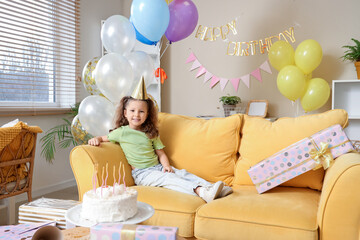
(138, 148)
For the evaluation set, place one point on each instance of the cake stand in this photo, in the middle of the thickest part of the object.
(145, 211)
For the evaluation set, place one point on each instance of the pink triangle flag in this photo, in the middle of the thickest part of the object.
(235, 83)
(256, 74)
(201, 71)
(208, 76)
(266, 67)
(195, 65)
(191, 58)
(246, 80)
(214, 81)
(223, 82)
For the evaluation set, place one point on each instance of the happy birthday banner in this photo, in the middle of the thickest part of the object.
(224, 81)
(212, 33)
(241, 48)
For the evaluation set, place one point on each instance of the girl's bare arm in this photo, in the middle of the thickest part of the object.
(164, 160)
(97, 140)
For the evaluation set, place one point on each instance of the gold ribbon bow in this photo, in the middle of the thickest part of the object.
(322, 157)
(128, 232)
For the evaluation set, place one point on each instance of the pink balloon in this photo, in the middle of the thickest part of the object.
(183, 20)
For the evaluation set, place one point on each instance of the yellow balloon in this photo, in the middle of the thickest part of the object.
(316, 94)
(291, 82)
(308, 55)
(281, 54)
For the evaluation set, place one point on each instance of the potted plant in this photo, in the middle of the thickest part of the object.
(229, 103)
(59, 136)
(353, 54)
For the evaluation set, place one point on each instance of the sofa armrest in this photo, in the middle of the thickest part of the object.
(339, 208)
(83, 159)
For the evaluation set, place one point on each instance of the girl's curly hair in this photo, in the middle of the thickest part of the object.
(149, 127)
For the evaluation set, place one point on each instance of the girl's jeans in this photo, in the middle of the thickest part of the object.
(180, 180)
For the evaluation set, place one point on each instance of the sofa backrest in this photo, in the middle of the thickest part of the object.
(206, 148)
(262, 138)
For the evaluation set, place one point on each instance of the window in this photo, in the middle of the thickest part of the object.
(39, 54)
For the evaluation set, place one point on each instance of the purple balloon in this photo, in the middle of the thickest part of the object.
(183, 20)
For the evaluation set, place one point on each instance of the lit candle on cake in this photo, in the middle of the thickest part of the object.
(94, 177)
(114, 179)
(102, 179)
(107, 174)
(119, 174)
(124, 177)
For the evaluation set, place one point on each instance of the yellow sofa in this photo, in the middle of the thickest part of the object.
(315, 205)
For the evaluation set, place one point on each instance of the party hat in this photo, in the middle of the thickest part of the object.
(140, 90)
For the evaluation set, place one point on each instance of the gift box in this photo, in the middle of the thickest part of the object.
(46, 209)
(131, 231)
(313, 152)
(21, 231)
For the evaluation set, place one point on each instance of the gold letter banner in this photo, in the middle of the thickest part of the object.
(241, 48)
(263, 45)
(212, 33)
(223, 81)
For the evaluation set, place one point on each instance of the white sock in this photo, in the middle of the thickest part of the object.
(201, 192)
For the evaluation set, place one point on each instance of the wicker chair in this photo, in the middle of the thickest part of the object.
(17, 163)
(16, 174)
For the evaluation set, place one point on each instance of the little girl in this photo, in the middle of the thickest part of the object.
(136, 131)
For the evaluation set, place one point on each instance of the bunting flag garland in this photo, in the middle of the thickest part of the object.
(266, 67)
(223, 82)
(208, 76)
(235, 82)
(214, 81)
(196, 64)
(246, 80)
(201, 71)
(191, 58)
(256, 74)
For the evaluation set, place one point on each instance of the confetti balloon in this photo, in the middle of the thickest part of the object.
(88, 77)
(80, 135)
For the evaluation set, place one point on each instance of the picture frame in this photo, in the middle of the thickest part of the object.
(257, 108)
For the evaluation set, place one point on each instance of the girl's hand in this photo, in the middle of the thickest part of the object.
(94, 141)
(97, 140)
(168, 169)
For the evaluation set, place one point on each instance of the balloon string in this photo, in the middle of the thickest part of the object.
(161, 42)
(167, 45)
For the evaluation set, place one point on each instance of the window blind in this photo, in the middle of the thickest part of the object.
(39, 54)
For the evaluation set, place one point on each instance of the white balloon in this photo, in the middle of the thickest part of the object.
(114, 76)
(96, 115)
(118, 34)
(142, 65)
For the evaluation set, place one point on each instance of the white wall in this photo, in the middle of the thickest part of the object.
(330, 22)
(50, 177)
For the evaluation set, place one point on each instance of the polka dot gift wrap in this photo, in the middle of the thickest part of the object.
(307, 154)
(132, 232)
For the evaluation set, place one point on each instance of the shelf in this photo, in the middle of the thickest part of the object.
(357, 117)
(346, 95)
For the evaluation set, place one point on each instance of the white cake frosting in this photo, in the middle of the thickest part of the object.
(109, 205)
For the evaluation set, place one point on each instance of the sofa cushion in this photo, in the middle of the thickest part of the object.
(262, 138)
(283, 213)
(206, 148)
(174, 209)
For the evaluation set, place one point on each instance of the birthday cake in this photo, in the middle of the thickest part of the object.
(109, 204)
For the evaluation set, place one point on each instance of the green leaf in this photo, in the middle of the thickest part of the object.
(352, 53)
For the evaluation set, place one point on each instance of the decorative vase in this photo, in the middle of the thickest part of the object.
(357, 66)
(228, 109)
